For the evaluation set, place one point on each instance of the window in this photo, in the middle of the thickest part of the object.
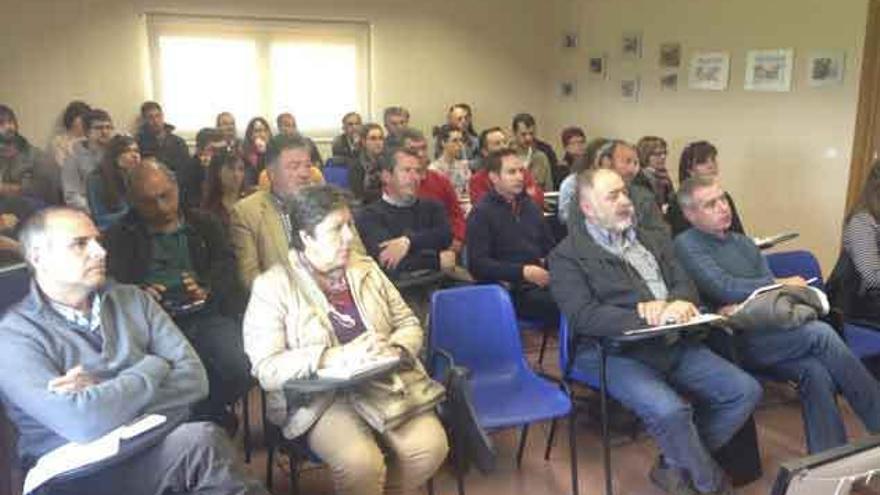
(202, 66)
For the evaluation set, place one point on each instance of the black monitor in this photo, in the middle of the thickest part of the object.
(850, 469)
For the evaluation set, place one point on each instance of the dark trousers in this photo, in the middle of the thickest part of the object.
(534, 303)
(218, 342)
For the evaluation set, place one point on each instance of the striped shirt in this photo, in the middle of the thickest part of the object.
(861, 240)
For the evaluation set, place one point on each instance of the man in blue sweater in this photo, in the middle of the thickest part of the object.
(727, 267)
(508, 239)
(82, 356)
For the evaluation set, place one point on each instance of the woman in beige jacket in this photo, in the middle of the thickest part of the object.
(330, 307)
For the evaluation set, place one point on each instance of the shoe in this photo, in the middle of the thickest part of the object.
(671, 480)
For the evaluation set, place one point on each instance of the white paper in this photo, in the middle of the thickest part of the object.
(696, 320)
(76, 455)
(355, 370)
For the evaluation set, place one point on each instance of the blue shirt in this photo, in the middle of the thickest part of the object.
(626, 245)
(726, 269)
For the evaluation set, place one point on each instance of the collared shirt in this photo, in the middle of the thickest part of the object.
(281, 208)
(626, 245)
(86, 323)
(170, 258)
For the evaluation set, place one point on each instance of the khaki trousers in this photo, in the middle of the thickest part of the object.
(357, 455)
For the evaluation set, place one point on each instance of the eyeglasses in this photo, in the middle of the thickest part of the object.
(102, 127)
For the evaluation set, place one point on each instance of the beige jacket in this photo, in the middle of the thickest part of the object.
(257, 236)
(285, 335)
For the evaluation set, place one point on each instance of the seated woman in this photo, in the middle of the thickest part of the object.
(328, 307)
(253, 150)
(106, 186)
(450, 163)
(855, 281)
(699, 158)
(652, 155)
(225, 185)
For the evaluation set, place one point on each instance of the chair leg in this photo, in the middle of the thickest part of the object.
(270, 458)
(293, 465)
(246, 419)
(544, 339)
(606, 442)
(550, 439)
(522, 445)
(460, 482)
(430, 485)
(572, 445)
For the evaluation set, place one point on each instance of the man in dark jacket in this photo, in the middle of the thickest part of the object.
(401, 231)
(157, 139)
(185, 263)
(609, 277)
(508, 239)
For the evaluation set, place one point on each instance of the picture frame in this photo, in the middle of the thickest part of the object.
(596, 65)
(670, 55)
(567, 90)
(769, 70)
(629, 89)
(631, 46)
(709, 71)
(569, 40)
(826, 68)
(669, 82)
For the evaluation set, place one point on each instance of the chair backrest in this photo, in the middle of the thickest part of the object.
(336, 173)
(564, 343)
(477, 326)
(14, 285)
(792, 263)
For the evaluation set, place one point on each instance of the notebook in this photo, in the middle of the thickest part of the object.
(696, 320)
(373, 366)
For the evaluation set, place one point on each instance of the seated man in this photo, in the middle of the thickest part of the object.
(82, 356)
(183, 260)
(192, 178)
(402, 232)
(28, 176)
(286, 124)
(434, 185)
(156, 138)
(524, 142)
(259, 225)
(491, 140)
(347, 144)
(508, 239)
(610, 276)
(727, 267)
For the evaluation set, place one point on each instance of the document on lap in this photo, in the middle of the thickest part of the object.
(370, 366)
(701, 319)
(73, 456)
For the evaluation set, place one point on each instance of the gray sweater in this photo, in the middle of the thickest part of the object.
(146, 365)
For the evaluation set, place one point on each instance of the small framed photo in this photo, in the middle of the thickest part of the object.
(629, 89)
(631, 46)
(567, 90)
(569, 40)
(825, 68)
(669, 82)
(769, 70)
(596, 66)
(709, 71)
(670, 55)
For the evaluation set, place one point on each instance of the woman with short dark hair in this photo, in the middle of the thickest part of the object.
(330, 308)
(699, 158)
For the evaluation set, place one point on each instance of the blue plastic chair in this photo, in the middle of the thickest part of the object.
(14, 285)
(863, 340)
(534, 325)
(336, 173)
(476, 326)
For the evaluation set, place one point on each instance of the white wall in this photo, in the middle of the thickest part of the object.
(784, 156)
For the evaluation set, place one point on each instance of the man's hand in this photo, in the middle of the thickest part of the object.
(728, 310)
(75, 380)
(194, 291)
(536, 275)
(156, 291)
(650, 311)
(456, 246)
(678, 312)
(393, 251)
(447, 259)
(8, 221)
(796, 281)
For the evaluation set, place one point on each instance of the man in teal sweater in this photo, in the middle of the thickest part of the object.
(81, 356)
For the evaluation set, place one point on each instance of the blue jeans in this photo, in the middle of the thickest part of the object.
(815, 357)
(648, 379)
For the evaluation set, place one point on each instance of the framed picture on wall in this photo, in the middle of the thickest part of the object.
(631, 46)
(569, 40)
(596, 66)
(709, 71)
(629, 89)
(669, 82)
(825, 68)
(567, 90)
(670, 55)
(769, 70)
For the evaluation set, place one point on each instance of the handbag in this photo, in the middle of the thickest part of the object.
(390, 401)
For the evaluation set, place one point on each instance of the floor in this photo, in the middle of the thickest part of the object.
(779, 431)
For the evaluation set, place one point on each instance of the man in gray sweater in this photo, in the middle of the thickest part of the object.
(82, 356)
